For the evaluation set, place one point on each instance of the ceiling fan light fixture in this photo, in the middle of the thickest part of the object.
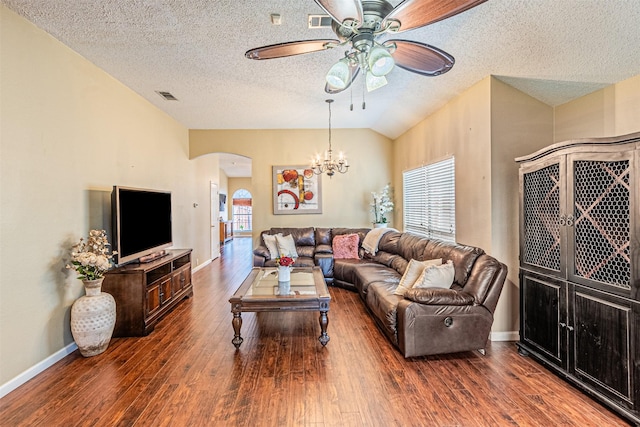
(339, 74)
(374, 82)
(380, 61)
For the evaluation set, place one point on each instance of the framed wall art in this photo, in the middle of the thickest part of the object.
(296, 190)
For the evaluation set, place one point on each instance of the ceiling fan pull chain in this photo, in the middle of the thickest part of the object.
(351, 96)
(364, 104)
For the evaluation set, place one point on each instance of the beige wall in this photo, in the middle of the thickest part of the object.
(611, 111)
(520, 125)
(485, 128)
(224, 189)
(462, 128)
(69, 132)
(345, 198)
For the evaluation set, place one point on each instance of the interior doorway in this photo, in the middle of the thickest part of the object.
(242, 212)
(215, 221)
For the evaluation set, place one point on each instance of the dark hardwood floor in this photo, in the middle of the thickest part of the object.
(187, 373)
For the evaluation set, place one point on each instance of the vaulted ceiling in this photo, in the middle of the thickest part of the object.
(554, 50)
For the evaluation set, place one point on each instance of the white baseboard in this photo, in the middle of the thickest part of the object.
(504, 336)
(201, 266)
(16, 382)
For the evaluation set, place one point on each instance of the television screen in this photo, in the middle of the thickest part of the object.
(142, 222)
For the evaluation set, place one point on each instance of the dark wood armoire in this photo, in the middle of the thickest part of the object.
(580, 266)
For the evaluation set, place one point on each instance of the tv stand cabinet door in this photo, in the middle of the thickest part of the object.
(153, 300)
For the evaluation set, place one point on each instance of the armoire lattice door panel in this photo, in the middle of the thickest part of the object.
(601, 215)
(541, 209)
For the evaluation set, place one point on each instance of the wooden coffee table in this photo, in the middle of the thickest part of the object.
(261, 291)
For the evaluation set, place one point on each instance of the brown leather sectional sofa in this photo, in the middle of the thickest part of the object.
(424, 321)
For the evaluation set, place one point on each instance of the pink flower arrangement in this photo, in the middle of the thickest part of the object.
(284, 261)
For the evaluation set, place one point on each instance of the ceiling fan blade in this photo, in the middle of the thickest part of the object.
(418, 13)
(340, 10)
(355, 69)
(420, 58)
(282, 50)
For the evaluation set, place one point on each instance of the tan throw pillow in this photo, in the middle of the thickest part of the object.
(411, 274)
(286, 246)
(270, 243)
(436, 276)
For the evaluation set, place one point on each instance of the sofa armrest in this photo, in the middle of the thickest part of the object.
(262, 251)
(260, 255)
(439, 296)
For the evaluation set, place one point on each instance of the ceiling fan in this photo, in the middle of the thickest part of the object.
(360, 25)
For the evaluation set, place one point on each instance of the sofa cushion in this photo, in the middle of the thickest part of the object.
(462, 256)
(345, 246)
(373, 272)
(436, 276)
(389, 242)
(304, 236)
(414, 271)
(439, 296)
(324, 249)
(344, 270)
(390, 260)
(323, 236)
(410, 246)
(286, 246)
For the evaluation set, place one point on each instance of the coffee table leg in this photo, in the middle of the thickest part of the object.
(237, 324)
(324, 322)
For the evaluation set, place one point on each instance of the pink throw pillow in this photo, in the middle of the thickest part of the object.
(345, 246)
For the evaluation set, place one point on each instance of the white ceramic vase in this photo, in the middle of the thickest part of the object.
(93, 317)
(284, 274)
(379, 225)
(284, 288)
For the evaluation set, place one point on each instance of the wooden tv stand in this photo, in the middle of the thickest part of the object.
(145, 293)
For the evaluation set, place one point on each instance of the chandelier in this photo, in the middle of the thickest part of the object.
(329, 165)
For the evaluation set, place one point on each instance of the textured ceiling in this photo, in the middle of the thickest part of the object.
(554, 50)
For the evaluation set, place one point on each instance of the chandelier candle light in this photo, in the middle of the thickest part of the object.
(329, 165)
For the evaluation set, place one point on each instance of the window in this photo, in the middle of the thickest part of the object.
(430, 200)
(241, 210)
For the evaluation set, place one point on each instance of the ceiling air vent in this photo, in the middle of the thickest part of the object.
(166, 95)
(319, 21)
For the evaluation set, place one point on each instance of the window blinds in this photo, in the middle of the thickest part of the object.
(429, 200)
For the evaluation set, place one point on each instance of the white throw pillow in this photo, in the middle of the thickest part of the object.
(437, 276)
(286, 246)
(411, 274)
(270, 243)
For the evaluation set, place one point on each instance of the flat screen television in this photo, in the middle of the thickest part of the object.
(141, 222)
